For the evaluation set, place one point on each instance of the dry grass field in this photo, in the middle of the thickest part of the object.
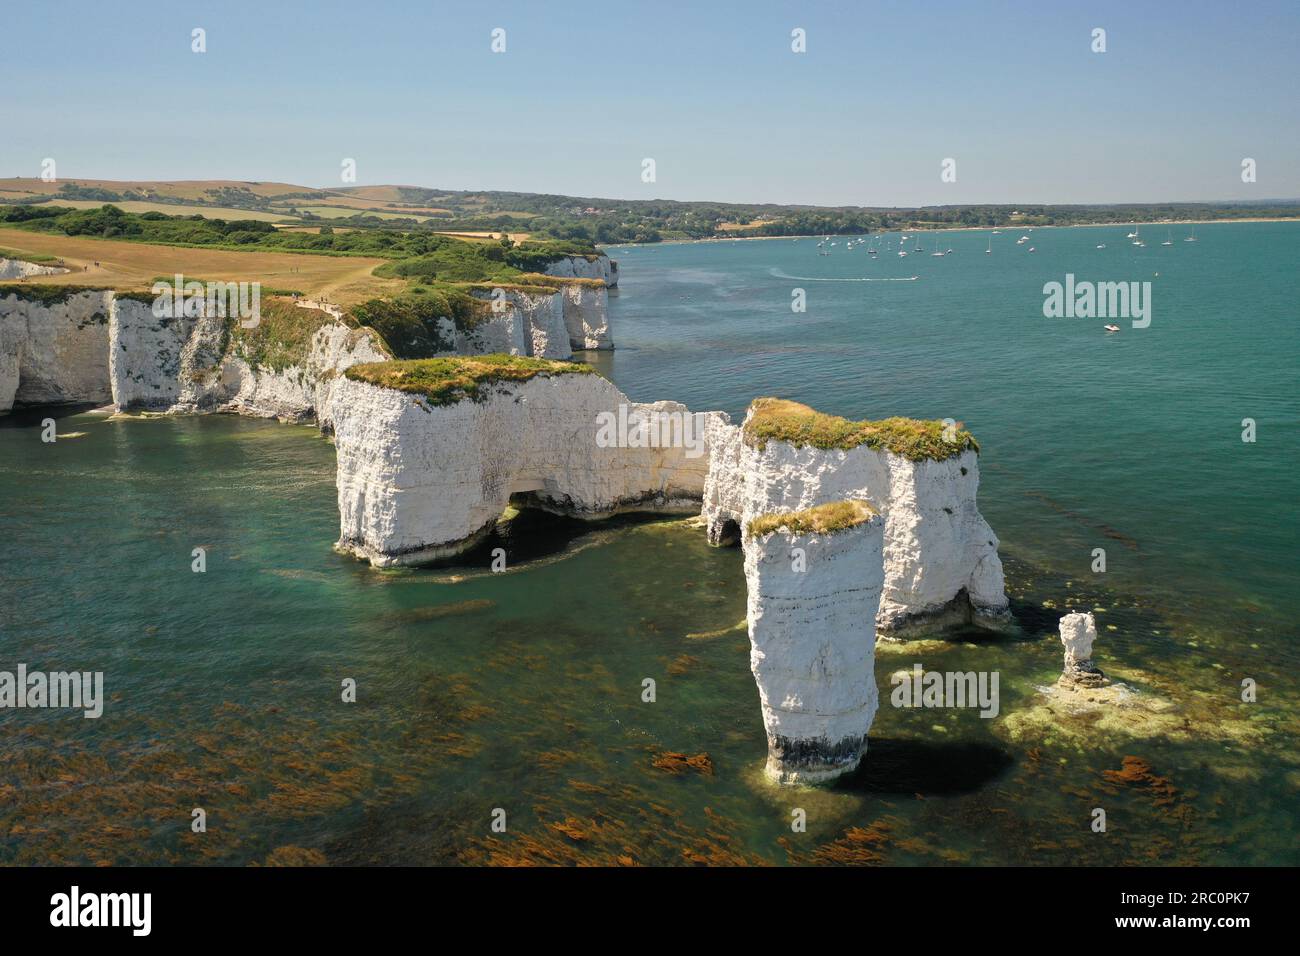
(735, 226)
(347, 200)
(382, 201)
(338, 212)
(484, 236)
(344, 280)
(188, 189)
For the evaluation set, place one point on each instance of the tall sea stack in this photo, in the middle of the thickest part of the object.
(814, 580)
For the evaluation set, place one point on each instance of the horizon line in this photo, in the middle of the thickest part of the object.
(722, 202)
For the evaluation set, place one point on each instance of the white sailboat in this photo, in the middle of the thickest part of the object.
(989, 250)
(1169, 239)
(1192, 237)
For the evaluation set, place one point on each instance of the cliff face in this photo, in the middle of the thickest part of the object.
(586, 316)
(521, 323)
(145, 356)
(187, 364)
(419, 481)
(580, 267)
(812, 602)
(304, 390)
(498, 332)
(54, 350)
(941, 564)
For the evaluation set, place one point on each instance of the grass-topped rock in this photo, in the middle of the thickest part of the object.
(776, 419)
(446, 381)
(822, 519)
(46, 294)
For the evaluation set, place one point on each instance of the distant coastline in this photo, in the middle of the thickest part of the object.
(1009, 228)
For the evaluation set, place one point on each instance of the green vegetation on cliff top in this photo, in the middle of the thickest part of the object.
(822, 519)
(776, 419)
(409, 323)
(40, 260)
(446, 381)
(44, 293)
(282, 337)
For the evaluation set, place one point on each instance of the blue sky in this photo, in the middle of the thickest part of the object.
(711, 91)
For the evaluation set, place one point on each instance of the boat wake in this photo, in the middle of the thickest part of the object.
(778, 274)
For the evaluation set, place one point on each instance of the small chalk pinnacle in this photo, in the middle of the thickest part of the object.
(1078, 631)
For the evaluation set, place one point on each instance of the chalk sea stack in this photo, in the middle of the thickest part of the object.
(1078, 632)
(941, 557)
(814, 583)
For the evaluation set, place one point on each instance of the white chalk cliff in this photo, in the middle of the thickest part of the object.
(54, 347)
(812, 601)
(581, 267)
(420, 481)
(76, 345)
(940, 555)
(526, 323)
(22, 269)
(550, 325)
(194, 364)
(586, 316)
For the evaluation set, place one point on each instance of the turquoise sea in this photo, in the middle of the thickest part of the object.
(522, 691)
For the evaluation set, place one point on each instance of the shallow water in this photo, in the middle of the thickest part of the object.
(522, 691)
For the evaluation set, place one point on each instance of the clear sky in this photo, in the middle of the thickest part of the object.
(710, 90)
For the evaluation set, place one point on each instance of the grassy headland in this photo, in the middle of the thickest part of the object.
(446, 381)
(776, 419)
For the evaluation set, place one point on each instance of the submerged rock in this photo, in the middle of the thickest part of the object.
(676, 763)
